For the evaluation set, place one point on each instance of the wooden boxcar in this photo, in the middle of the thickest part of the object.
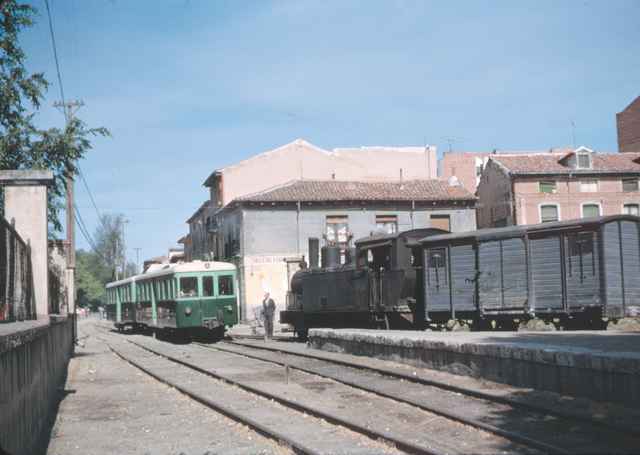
(193, 295)
(587, 269)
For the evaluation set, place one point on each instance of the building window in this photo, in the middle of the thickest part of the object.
(548, 186)
(441, 222)
(589, 186)
(479, 169)
(631, 209)
(337, 229)
(549, 213)
(387, 223)
(583, 160)
(590, 210)
(629, 185)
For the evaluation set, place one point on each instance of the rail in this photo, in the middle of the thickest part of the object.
(16, 278)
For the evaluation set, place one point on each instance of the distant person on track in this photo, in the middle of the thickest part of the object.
(268, 310)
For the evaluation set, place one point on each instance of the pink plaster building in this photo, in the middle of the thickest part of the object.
(541, 188)
(467, 167)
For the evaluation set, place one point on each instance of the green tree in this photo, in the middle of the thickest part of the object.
(91, 277)
(109, 238)
(22, 144)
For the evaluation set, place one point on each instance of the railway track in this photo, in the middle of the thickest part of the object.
(401, 427)
(625, 424)
(313, 436)
(533, 427)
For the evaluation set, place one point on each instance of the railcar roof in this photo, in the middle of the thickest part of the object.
(413, 233)
(516, 231)
(180, 267)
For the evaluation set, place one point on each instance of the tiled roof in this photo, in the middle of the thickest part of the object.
(335, 190)
(550, 164)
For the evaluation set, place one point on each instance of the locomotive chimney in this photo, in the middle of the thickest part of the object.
(314, 252)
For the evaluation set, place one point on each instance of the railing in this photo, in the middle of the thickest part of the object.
(16, 279)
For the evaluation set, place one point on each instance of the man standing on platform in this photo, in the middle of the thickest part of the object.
(268, 310)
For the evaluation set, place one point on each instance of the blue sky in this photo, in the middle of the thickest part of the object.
(187, 86)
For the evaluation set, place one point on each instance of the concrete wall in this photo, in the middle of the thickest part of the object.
(270, 236)
(33, 364)
(27, 205)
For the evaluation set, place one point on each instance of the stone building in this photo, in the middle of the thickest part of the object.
(540, 188)
(266, 233)
(297, 160)
(628, 123)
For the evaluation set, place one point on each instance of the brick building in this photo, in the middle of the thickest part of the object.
(467, 167)
(266, 233)
(551, 187)
(628, 123)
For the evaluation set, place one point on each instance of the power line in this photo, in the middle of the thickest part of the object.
(93, 202)
(55, 52)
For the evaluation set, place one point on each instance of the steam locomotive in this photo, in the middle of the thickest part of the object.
(371, 286)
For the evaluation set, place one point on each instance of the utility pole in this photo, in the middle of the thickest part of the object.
(138, 259)
(69, 109)
(124, 250)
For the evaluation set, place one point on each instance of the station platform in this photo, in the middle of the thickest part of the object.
(600, 365)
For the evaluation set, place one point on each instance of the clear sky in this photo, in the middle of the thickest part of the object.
(188, 86)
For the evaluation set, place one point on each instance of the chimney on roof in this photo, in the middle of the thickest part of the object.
(453, 181)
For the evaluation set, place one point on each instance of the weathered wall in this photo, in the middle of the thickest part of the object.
(302, 160)
(628, 123)
(494, 198)
(33, 364)
(271, 236)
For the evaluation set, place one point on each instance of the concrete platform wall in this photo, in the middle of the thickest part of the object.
(613, 377)
(33, 363)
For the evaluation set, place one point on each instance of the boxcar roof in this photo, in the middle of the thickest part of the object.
(382, 238)
(517, 231)
(183, 267)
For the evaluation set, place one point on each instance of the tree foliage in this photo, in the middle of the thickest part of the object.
(109, 238)
(22, 144)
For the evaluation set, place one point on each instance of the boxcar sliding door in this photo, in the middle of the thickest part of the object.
(463, 277)
(546, 272)
(503, 274)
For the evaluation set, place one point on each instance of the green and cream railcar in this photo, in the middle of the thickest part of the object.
(187, 296)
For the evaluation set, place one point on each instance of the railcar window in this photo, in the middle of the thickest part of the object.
(188, 287)
(207, 286)
(225, 285)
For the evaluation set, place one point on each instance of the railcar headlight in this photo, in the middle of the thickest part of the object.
(187, 310)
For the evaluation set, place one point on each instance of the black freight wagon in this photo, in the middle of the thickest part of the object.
(581, 271)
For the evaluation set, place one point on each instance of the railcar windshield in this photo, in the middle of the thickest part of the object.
(225, 285)
(189, 287)
(207, 286)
